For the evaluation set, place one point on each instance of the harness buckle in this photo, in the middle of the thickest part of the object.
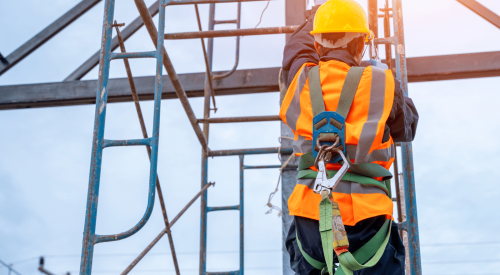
(322, 182)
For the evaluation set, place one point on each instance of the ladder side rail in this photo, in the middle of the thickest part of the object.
(406, 148)
(242, 215)
(148, 148)
(237, 57)
(98, 135)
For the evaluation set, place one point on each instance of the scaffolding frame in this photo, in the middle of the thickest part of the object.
(105, 55)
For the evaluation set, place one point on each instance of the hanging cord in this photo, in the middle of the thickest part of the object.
(263, 13)
(271, 206)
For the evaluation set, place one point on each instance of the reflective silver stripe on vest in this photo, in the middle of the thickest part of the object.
(293, 112)
(346, 187)
(375, 112)
(301, 145)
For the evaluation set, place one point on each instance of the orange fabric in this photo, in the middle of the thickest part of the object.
(355, 207)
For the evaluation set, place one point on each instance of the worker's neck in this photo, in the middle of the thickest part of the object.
(340, 55)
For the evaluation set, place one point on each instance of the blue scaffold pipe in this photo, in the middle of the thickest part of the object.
(96, 158)
(406, 148)
(223, 208)
(130, 142)
(151, 54)
(242, 214)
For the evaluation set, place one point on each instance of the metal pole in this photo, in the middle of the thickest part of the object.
(373, 16)
(406, 148)
(229, 33)
(387, 34)
(242, 215)
(239, 119)
(204, 162)
(95, 166)
(145, 135)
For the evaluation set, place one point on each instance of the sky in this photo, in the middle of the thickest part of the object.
(45, 152)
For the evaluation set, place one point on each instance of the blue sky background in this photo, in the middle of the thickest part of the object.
(45, 153)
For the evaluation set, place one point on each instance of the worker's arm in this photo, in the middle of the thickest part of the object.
(299, 50)
(403, 119)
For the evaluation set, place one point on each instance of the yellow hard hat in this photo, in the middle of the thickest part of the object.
(341, 16)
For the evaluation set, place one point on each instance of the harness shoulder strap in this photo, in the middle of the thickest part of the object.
(346, 97)
(315, 91)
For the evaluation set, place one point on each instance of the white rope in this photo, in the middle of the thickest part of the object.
(271, 206)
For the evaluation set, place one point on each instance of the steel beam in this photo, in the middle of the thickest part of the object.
(126, 33)
(83, 92)
(46, 34)
(420, 69)
(482, 11)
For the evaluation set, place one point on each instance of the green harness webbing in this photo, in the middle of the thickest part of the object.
(373, 250)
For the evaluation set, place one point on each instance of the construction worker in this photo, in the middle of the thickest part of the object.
(334, 40)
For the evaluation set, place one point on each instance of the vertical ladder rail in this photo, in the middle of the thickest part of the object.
(90, 238)
(411, 226)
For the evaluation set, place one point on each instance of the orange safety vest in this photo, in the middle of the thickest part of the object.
(365, 125)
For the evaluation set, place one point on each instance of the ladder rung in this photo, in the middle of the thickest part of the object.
(256, 151)
(239, 119)
(226, 21)
(387, 40)
(229, 33)
(151, 54)
(129, 142)
(261, 166)
(223, 208)
(223, 273)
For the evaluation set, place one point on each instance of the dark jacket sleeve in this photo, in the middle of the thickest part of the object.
(403, 119)
(299, 50)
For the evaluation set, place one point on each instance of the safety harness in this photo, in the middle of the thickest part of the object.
(329, 146)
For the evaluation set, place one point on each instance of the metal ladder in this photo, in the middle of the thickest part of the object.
(410, 225)
(99, 143)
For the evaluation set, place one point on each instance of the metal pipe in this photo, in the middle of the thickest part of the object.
(148, 22)
(237, 57)
(204, 154)
(98, 135)
(406, 148)
(130, 142)
(223, 208)
(207, 66)
(150, 54)
(148, 149)
(373, 17)
(242, 214)
(255, 151)
(387, 34)
(239, 119)
(165, 230)
(229, 33)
